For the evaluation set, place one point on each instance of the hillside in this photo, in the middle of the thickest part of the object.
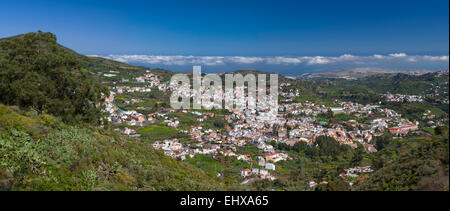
(39, 152)
(36, 72)
(396, 83)
(415, 163)
(50, 138)
(59, 132)
(98, 66)
(403, 83)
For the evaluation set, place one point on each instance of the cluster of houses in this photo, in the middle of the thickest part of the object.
(314, 109)
(307, 128)
(172, 122)
(119, 116)
(110, 107)
(174, 149)
(295, 122)
(260, 173)
(122, 89)
(288, 94)
(356, 171)
(110, 74)
(132, 118)
(150, 78)
(402, 98)
(349, 173)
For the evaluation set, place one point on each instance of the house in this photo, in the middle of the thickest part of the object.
(370, 148)
(274, 157)
(263, 172)
(351, 172)
(229, 153)
(366, 169)
(245, 172)
(270, 166)
(403, 129)
(282, 132)
(268, 148)
(262, 162)
(141, 118)
(311, 184)
(337, 110)
(324, 183)
(244, 157)
(255, 171)
(267, 176)
(156, 145)
(128, 131)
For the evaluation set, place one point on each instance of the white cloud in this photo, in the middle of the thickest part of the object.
(283, 60)
(346, 57)
(319, 60)
(436, 58)
(343, 60)
(377, 56)
(245, 60)
(412, 59)
(397, 55)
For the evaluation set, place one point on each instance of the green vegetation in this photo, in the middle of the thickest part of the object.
(156, 129)
(37, 73)
(98, 66)
(53, 137)
(326, 148)
(40, 152)
(413, 165)
(159, 132)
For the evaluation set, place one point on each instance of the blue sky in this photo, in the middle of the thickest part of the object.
(251, 28)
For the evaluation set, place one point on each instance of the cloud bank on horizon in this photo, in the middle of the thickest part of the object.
(390, 62)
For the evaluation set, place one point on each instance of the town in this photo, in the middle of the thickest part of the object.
(294, 123)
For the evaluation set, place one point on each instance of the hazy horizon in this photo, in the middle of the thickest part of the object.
(290, 65)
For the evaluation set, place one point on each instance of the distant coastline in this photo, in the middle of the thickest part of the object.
(292, 66)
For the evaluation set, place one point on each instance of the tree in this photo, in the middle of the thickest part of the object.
(442, 130)
(383, 140)
(219, 123)
(36, 72)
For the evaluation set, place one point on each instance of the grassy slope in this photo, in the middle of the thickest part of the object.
(415, 163)
(38, 152)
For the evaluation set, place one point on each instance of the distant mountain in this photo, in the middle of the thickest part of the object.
(350, 75)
